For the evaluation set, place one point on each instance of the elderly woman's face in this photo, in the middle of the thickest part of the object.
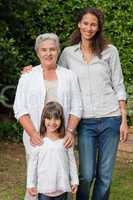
(48, 53)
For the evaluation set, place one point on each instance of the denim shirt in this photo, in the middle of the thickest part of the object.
(101, 81)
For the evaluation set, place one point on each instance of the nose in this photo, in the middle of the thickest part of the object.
(88, 27)
(53, 121)
(48, 52)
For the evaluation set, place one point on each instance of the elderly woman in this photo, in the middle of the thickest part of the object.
(46, 82)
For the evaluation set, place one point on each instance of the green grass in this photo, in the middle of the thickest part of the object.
(12, 175)
(122, 183)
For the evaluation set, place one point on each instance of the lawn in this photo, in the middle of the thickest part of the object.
(12, 175)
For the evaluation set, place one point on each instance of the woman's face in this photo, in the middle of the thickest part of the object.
(48, 53)
(88, 26)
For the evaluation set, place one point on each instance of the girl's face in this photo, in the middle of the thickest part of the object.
(88, 26)
(52, 125)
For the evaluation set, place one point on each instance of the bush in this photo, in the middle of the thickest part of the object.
(22, 21)
(11, 131)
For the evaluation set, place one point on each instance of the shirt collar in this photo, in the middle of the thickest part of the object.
(77, 47)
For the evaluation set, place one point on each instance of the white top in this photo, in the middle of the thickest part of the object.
(31, 93)
(54, 165)
(101, 80)
(51, 90)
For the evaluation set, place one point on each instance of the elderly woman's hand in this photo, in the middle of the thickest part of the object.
(69, 139)
(35, 139)
(26, 69)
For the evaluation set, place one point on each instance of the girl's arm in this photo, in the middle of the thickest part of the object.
(32, 168)
(73, 167)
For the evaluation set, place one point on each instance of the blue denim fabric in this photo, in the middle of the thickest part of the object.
(98, 142)
(60, 197)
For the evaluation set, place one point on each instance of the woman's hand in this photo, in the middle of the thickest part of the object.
(35, 139)
(74, 188)
(123, 126)
(69, 140)
(123, 132)
(26, 69)
(32, 191)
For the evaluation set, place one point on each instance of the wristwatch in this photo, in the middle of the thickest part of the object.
(70, 130)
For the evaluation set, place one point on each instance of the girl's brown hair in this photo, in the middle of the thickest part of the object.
(52, 110)
(99, 42)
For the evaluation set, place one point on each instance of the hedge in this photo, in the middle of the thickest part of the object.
(21, 21)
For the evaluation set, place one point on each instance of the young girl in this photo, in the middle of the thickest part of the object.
(52, 164)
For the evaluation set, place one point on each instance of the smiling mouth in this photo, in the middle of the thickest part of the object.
(54, 126)
(88, 33)
(48, 58)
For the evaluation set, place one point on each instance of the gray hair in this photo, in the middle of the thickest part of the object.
(47, 36)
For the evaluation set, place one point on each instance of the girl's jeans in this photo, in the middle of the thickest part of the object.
(60, 197)
(98, 142)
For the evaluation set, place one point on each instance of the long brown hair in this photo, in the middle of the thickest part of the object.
(99, 42)
(52, 110)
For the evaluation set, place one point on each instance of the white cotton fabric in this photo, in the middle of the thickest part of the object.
(54, 165)
(101, 80)
(31, 94)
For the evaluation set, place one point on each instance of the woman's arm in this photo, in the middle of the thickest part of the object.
(21, 111)
(70, 131)
(116, 74)
(119, 88)
(27, 124)
(124, 126)
(75, 111)
(26, 69)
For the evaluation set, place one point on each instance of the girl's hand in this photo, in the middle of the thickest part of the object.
(32, 191)
(123, 132)
(74, 188)
(26, 69)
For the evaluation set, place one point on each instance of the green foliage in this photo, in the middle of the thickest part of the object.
(21, 21)
(10, 131)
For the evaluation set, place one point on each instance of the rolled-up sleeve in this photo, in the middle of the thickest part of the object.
(76, 102)
(20, 105)
(116, 74)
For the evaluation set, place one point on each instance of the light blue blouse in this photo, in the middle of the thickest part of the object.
(101, 81)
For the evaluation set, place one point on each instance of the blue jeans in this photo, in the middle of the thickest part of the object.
(98, 142)
(60, 197)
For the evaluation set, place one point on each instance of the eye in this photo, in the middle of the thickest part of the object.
(43, 49)
(53, 49)
(85, 23)
(93, 24)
